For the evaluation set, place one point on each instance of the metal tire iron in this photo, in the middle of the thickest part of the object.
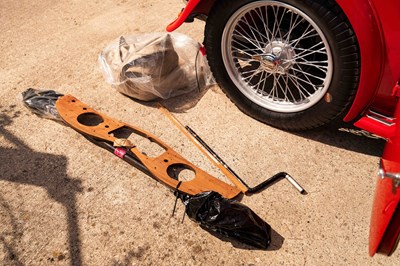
(218, 162)
(113, 136)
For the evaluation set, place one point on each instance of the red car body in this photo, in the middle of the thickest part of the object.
(376, 107)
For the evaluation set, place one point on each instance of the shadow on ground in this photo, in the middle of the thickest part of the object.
(181, 103)
(21, 165)
(338, 133)
(276, 240)
(346, 136)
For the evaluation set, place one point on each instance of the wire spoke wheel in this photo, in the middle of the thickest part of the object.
(277, 56)
(284, 62)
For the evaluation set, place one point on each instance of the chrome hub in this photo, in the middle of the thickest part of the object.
(280, 55)
(278, 58)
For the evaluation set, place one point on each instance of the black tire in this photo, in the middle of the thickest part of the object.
(280, 71)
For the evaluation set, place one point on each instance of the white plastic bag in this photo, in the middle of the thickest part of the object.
(155, 65)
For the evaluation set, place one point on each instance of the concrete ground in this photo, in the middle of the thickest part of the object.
(64, 201)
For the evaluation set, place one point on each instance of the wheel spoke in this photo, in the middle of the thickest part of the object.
(295, 80)
(280, 22)
(280, 86)
(307, 75)
(257, 30)
(243, 52)
(265, 24)
(257, 86)
(293, 25)
(264, 80)
(300, 69)
(303, 50)
(305, 81)
(244, 31)
(252, 33)
(287, 89)
(303, 38)
(247, 50)
(312, 62)
(257, 71)
(275, 28)
(321, 68)
(249, 71)
(307, 54)
(248, 38)
(274, 86)
(305, 35)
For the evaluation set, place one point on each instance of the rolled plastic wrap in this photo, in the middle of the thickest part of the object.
(152, 66)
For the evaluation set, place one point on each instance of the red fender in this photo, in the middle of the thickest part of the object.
(385, 219)
(183, 15)
(193, 6)
(362, 17)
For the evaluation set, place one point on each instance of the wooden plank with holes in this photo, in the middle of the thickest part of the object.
(164, 167)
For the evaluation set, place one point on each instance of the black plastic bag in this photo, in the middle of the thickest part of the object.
(42, 102)
(228, 218)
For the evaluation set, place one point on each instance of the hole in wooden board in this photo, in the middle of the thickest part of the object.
(186, 175)
(122, 133)
(141, 142)
(181, 172)
(90, 119)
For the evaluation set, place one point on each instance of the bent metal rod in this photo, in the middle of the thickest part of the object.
(218, 162)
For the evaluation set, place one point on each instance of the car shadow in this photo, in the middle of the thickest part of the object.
(181, 103)
(22, 165)
(346, 136)
(338, 133)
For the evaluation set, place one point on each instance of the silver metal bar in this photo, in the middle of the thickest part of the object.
(294, 183)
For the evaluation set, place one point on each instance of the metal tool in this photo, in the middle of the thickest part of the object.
(218, 162)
